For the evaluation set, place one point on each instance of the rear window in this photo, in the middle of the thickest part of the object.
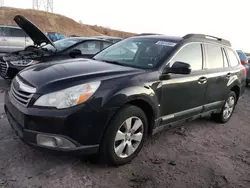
(232, 57)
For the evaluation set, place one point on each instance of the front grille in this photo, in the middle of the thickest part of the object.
(19, 94)
(3, 68)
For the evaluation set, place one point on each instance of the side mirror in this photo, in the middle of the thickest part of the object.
(74, 53)
(178, 68)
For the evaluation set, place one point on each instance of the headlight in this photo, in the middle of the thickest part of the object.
(24, 62)
(68, 97)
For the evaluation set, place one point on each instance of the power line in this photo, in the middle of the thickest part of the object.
(46, 5)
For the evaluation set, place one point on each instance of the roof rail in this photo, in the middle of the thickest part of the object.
(208, 37)
(143, 34)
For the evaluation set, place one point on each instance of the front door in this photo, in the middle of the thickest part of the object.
(183, 95)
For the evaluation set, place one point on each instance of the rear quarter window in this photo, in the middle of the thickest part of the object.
(232, 56)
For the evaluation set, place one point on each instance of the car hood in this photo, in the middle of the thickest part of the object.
(32, 31)
(49, 75)
(24, 55)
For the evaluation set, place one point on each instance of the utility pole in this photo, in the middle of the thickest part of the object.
(46, 5)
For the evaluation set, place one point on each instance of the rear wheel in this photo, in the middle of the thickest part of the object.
(227, 110)
(124, 136)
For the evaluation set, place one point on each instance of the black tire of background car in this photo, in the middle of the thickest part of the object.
(106, 153)
(30, 48)
(219, 116)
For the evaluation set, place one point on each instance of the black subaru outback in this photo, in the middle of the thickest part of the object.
(132, 89)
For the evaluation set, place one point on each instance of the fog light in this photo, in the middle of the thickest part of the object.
(54, 141)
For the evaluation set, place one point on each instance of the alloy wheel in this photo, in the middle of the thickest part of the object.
(228, 108)
(128, 137)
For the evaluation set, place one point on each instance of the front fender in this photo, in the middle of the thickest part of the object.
(133, 93)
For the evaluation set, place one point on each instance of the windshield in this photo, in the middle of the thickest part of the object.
(143, 53)
(62, 44)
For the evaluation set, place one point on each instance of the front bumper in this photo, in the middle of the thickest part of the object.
(81, 125)
(30, 137)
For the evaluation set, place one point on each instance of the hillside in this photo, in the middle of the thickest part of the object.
(58, 23)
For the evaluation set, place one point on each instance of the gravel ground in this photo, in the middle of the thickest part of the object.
(202, 154)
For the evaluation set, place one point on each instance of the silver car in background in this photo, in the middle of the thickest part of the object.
(13, 38)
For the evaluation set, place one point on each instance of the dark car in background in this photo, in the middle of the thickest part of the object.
(12, 63)
(110, 104)
(245, 62)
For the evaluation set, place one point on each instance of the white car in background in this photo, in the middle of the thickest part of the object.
(13, 38)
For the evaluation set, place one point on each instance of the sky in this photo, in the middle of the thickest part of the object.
(223, 18)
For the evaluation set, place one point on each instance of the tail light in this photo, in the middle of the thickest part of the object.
(245, 71)
(244, 62)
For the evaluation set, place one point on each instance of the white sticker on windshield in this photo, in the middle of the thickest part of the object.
(165, 43)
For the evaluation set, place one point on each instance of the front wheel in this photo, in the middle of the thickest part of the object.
(124, 136)
(227, 110)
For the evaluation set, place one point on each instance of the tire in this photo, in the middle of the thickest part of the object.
(111, 156)
(30, 47)
(222, 117)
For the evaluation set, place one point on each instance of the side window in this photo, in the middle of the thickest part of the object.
(226, 64)
(2, 31)
(232, 58)
(89, 47)
(191, 54)
(14, 32)
(214, 56)
(106, 44)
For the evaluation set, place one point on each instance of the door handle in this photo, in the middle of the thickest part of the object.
(228, 75)
(202, 80)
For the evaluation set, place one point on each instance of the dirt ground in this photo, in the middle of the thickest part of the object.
(202, 154)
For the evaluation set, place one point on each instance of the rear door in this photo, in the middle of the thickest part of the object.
(15, 38)
(218, 74)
